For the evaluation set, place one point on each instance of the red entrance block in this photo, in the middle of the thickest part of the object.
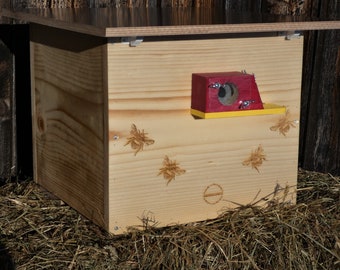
(224, 91)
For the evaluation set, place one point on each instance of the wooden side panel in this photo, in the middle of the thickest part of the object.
(166, 166)
(69, 118)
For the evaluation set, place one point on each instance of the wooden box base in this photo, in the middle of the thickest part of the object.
(114, 136)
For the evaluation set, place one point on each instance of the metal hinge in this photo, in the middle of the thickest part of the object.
(292, 35)
(132, 41)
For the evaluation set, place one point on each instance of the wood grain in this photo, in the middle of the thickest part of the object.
(69, 121)
(114, 137)
(122, 22)
(149, 86)
(320, 144)
(7, 113)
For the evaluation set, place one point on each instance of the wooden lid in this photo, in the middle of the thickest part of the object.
(123, 22)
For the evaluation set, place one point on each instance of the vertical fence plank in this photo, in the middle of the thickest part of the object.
(243, 6)
(209, 3)
(7, 119)
(320, 117)
(15, 104)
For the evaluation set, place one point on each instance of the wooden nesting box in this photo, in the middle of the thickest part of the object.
(113, 132)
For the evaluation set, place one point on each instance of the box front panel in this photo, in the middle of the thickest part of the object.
(167, 167)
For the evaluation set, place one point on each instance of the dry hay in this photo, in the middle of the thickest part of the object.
(40, 232)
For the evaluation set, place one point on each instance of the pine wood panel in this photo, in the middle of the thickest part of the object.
(69, 119)
(150, 87)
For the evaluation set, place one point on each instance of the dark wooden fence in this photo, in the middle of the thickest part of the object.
(15, 111)
(7, 109)
(320, 107)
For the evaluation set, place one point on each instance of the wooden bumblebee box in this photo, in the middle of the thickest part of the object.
(114, 136)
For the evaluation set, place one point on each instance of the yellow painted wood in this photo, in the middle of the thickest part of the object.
(267, 109)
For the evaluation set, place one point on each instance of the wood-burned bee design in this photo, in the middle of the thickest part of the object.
(256, 158)
(170, 169)
(138, 138)
(284, 124)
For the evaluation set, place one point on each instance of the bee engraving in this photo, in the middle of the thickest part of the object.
(284, 124)
(138, 138)
(256, 158)
(170, 169)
